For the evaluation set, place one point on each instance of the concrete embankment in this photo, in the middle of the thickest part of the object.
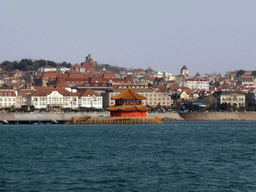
(219, 116)
(66, 116)
(46, 116)
(167, 116)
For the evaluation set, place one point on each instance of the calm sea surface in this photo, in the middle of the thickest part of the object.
(174, 156)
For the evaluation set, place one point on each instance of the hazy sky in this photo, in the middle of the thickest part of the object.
(206, 36)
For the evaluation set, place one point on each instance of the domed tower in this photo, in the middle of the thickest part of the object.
(184, 71)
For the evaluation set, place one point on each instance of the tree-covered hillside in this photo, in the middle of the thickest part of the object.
(29, 64)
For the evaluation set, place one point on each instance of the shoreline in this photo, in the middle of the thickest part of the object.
(167, 116)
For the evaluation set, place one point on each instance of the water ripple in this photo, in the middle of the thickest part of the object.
(174, 156)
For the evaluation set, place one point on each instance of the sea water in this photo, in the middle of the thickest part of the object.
(173, 156)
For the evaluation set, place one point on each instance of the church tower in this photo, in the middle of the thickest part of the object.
(184, 71)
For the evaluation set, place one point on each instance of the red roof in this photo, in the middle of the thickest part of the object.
(76, 66)
(195, 80)
(16, 71)
(88, 92)
(48, 91)
(25, 93)
(61, 84)
(86, 65)
(7, 93)
(128, 94)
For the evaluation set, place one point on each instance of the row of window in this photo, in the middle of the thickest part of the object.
(90, 102)
(65, 103)
(234, 99)
(55, 99)
(5, 94)
(5, 99)
(146, 95)
(6, 104)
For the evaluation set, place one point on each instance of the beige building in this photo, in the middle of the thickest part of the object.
(153, 96)
(233, 97)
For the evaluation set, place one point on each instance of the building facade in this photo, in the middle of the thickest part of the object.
(233, 97)
(62, 98)
(195, 84)
(9, 98)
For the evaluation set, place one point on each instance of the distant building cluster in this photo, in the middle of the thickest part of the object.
(84, 86)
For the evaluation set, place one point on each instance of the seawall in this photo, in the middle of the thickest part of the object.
(219, 116)
(44, 116)
(66, 116)
(168, 116)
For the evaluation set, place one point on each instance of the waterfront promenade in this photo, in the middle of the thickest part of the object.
(57, 117)
(60, 117)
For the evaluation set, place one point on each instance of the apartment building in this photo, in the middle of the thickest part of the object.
(195, 84)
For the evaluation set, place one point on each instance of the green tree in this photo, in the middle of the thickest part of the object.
(24, 108)
(201, 95)
(240, 73)
(32, 108)
(254, 73)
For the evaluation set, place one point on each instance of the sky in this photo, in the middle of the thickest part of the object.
(208, 36)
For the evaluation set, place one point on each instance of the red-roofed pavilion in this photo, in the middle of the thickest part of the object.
(128, 104)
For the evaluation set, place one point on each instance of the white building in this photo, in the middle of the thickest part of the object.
(62, 98)
(195, 84)
(47, 69)
(62, 69)
(8, 98)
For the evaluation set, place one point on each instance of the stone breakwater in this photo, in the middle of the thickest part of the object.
(219, 116)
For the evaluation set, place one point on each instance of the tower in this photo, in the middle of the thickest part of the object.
(184, 71)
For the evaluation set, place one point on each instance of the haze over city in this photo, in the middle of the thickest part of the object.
(206, 36)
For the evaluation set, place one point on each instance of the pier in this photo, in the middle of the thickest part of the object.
(115, 120)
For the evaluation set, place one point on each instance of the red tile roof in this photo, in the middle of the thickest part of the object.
(86, 65)
(76, 66)
(128, 94)
(88, 92)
